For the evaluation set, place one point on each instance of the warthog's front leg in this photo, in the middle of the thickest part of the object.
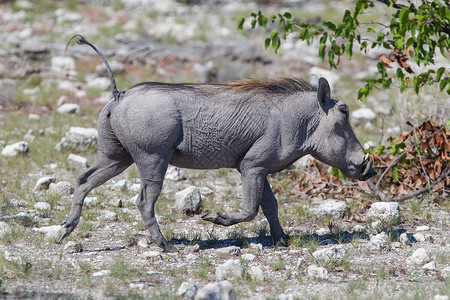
(270, 209)
(253, 186)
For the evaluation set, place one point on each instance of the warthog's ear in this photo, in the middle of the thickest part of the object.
(314, 80)
(323, 92)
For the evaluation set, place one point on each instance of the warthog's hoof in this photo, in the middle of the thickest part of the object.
(219, 218)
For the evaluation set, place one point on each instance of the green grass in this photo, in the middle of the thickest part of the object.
(122, 270)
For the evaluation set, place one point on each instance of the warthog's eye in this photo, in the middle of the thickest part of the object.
(344, 109)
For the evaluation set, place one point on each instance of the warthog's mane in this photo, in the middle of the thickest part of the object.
(284, 86)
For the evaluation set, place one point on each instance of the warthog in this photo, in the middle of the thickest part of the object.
(257, 127)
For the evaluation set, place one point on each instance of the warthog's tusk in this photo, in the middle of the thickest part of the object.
(366, 157)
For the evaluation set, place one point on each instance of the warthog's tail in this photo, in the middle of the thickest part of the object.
(82, 40)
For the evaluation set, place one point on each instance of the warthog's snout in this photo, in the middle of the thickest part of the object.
(367, 170)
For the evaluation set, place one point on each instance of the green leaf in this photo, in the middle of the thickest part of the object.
(322, 51)
(253, 23)
(348, 49)
(276, 43)
(241, 23)
(303, 33)
(443, 84)
(439, 73)
(403, 16)
(262, 21)
(273, 33)
(267, 43)
(362, 92)
(287, 15)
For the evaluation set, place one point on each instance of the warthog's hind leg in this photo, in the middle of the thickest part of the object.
(103, 169)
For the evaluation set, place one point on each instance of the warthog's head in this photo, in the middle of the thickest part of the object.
(333, 140)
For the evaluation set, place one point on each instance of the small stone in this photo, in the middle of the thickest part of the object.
(41, 221)
(51, 232)
(135, 187)
(317, 272)
(362, 116)
(101, 273)
(78, 160)
(330, 207)
(376, 224)
(70, 245)
(62, 64)
(379, 241)
(188, 200)
(232, 250)
(68, 108)
(258, 246)
(120, 185)
(430, 266)
(440, 297)
(445, 272)
(174, 174)
(62, 187)
(34, 116)
(107, 215)
(78, 139)
(419, 237)
(187, 288)
(231, 268)
(42, 206)
(300, 262)
(222, 290)
(419, 257)
(385, 211)
(5, 229)
(248, 256)
(196, 248)
(256, 273)
(407, 239)
(335, 253)
(99, 83)
(423, 228)
(142, 243)
(152, 254)
(43, 183)
(359, 229)
(91, 201)
(322, 231)
(15, 149)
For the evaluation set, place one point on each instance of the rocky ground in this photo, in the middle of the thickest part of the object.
(340, 247)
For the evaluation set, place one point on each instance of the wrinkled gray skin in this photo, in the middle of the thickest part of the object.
(256, 128)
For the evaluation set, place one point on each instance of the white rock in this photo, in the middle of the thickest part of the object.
(187, 289)
(68, 108)
(445, 272)
(142, 243)
(34, 117)
(440, 297)
(379, 241)
(120, 184)
(107, 215)
(188, 200)
(78, 160)
(231, 268)
(233, 250)
(15, 149)
(369, 144)
(317, 272)
(423, 228)
(63, 64)
(91, 201)
(42, 206)
(385, 211)
(376, 224)
(135, 187)
(152, 254)
(222, 290)
(116, 66)
(51, 232)
(419, 257)
(99, 83)
(300, 262)
(322, 231)
(79, 139)
(70, 245)
(407, 238)
(362, 116)
(101, 273)
(174, 174)
(303, 162)
(333, 208)
(248, 256)
(430, 266)
(43, 183)
(5, 229)
(359, 229)
(256, 273)
(335, 253)
(419, 237)
(62, 187)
